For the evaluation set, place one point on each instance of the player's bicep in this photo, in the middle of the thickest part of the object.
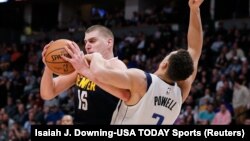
(116, 78)
(195, 54)
(195, 57)
(124, 79)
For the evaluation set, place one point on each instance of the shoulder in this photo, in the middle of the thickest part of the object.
(115, 60)
(137, 72)
(116, 63)
(139, 77)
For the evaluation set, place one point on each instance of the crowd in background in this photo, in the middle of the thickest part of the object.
(220, 94)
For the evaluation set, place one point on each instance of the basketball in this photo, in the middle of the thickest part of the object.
(54, 60)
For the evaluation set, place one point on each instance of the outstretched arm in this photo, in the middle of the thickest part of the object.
(195, 33)
(195, 41)
(107, 74)
(133, 80)
(122, 94)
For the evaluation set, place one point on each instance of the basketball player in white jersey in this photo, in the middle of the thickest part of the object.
(154, 99)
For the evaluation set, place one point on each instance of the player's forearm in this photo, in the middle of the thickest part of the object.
(97, 74)
(195, 33)
(47, 84)
(97, 67)
(117, 92)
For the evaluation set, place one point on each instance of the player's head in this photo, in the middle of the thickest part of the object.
(179, 65)
(100, 39)
(67, 120)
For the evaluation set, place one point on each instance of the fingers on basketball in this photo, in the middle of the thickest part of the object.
(54, 59)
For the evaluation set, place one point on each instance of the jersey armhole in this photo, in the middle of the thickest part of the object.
(149, 80)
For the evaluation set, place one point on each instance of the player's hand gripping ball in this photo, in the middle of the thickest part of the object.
(54, 60)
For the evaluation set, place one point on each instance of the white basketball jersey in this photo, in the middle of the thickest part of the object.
(160, 105)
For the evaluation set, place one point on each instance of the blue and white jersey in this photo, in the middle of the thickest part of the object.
(161, 104)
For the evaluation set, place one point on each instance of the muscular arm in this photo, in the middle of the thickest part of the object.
(195, 41)
(105, 73)
(128, 79)
(51, 87)
(122, 94)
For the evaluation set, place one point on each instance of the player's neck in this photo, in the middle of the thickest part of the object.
(108, 55)
(164, 77)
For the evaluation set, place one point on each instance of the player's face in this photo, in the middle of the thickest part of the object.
(95, 42)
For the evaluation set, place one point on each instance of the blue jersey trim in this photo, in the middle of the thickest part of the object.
(149, 80)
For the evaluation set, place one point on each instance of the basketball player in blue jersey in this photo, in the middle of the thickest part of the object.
(154, 98)
(93, 103)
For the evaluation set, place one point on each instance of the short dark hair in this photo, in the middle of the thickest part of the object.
(181, 65)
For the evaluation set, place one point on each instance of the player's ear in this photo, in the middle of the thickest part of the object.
(165, 64)
(110, 42)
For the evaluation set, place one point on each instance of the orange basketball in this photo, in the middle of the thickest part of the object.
(54, 60)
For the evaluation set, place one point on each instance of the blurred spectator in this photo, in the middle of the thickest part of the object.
(188, 115)
(221, 61)
(235, 51)
(247, 121)
(67, 120)
(217, 45)
(206, 117)
(17, 84)
(223, 117)
(241, 98)
(6, 119)
(30, 121)
(203, 101)
(54, 114)
(10, 108)
(228, 92)
(3, 130)
(234, 66)
(22, 116)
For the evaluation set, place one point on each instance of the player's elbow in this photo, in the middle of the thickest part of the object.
(125, 95)
(46, 96)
